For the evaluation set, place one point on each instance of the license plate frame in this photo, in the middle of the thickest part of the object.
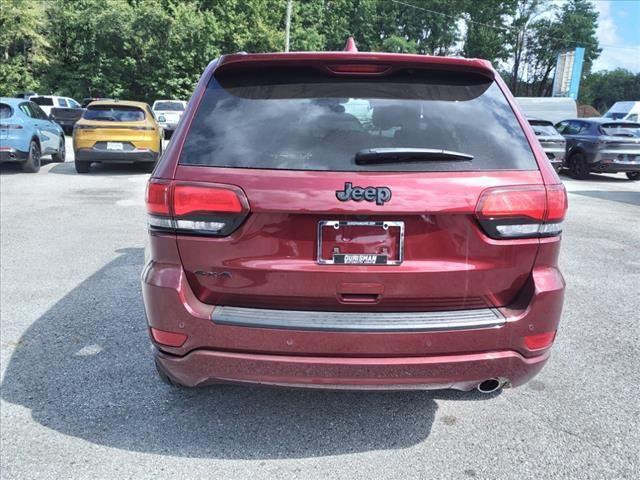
(360, 259)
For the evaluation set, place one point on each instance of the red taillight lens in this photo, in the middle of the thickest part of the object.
(539, 340)
(195, 208)
(359, 68)
(158, 197)
(527, 211)
(170, 339)
(189, 199)
(557, 203)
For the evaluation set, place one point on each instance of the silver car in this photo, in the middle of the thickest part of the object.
(553, 144)
(168, 113)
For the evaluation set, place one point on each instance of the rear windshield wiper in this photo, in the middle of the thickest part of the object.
(370, 156)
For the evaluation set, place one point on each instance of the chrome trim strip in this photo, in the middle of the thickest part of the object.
(358, 321)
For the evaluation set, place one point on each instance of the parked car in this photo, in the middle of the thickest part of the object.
(601, 145)
(168, 113)
(48, 102)
(552, 142)
(116, 131)
(628, 111)
(291, 244)
(67, 117)
(26, 95)
(27, 134)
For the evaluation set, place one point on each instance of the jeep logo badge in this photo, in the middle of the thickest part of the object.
(378, 194)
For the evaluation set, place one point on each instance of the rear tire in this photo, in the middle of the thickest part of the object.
(82, 167)
(61, 155)
(578, 167)
(633, 176)
(32, 163)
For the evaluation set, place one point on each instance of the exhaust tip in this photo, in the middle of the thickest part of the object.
(490, 385)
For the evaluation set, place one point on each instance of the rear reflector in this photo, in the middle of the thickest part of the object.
(539, 341)
(170, 339)
(527, 211)
(195, 208)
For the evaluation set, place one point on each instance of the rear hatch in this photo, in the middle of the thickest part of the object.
(119, 125)
(553, 144)
(357, 189)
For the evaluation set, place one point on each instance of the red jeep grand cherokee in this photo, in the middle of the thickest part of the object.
(353, 220)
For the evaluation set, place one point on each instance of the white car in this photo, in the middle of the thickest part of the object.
(168, 113)
(47, 102)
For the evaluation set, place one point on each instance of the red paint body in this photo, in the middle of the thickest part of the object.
(449, 264)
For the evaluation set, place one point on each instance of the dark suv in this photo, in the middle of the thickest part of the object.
(600, 145)
(353, 220)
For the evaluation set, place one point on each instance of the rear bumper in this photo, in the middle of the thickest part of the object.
(615, 167)
(460, 372)
(278, 354)
(95, 155)
(9, 154)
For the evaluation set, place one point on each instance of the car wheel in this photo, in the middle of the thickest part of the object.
(82, 167)
(579, 167)
(32, 163)
(633, 176)
(61, 155)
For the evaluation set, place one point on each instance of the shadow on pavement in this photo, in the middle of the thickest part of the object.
(598, 178)
(110, 169)
(631, 198)
(84, 369)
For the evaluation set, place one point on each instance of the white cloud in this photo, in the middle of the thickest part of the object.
(615, 53)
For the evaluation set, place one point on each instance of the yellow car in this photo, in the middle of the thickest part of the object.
(116, 131)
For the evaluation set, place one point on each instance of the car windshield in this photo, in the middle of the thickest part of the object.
(114, 113)
(543, 128)
(622, 129)
(169, 106)
(5, 111)
(304, 120)
(46, 101)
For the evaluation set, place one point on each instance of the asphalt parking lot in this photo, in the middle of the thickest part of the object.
(80, 398)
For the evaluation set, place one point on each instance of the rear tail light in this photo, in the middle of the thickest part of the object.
(527, 211)
(195, 208)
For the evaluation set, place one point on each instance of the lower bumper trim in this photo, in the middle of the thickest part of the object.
(94, 155)
(461, 372)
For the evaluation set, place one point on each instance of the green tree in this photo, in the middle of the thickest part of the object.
(603, 89)
(488, 35)
(22, 45)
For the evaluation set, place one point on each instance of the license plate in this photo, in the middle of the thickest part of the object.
(115, 146)
(360, 242)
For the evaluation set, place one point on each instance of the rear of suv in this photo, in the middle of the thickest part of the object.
(353, 220)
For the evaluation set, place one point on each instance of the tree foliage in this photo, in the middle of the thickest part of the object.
(146, 49)
(603, 89)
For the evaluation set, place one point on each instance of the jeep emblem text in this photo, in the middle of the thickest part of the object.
(379, 194)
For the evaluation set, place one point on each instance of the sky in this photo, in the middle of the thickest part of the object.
(618, 34)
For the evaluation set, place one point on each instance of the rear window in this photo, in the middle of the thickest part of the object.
(169, 106)
(621, 129)
(543, 128)
(114, 113)
(46, 101)
(5, 111)
(303, 120)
